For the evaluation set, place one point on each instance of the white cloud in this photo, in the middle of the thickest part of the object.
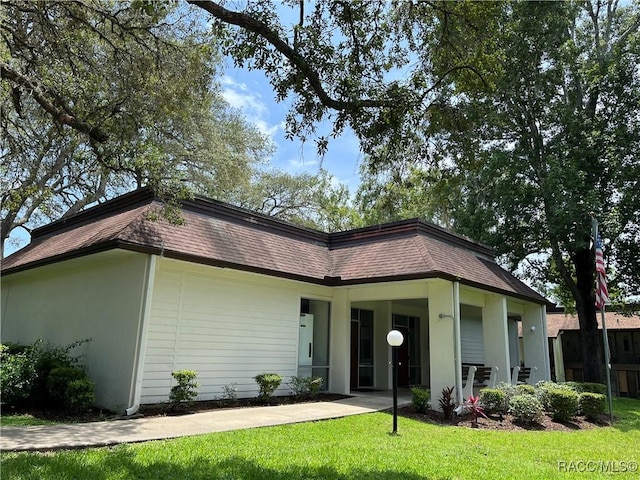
(302, 164)
(255, 110)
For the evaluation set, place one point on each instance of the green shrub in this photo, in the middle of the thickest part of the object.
(47, 357)
(187, 388)
(80, 395)
(525, 408)
(305, 386)
(592, 404)
(575, 386)
(24, 377)
(563, 403)
(230, 392)
(446, 402)
(267, 383)
(592, 387)
(494, 400)
(544, 387)
(17, 377)
(524, 389)
(508, 389)
(58, 382)
(420, 399)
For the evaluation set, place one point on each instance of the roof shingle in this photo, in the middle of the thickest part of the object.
(219, 234)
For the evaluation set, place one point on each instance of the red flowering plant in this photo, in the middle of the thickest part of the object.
(476, 410)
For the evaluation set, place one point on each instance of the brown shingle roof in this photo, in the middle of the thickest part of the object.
(559, 321)
(218, 234)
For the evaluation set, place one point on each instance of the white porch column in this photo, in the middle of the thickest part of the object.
(495, 332)
(534, 341)
(340, 345)
(441, 338)
(558, 358)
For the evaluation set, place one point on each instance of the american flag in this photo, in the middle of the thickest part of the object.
(602, 295)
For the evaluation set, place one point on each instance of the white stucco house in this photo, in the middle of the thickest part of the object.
(231, 294)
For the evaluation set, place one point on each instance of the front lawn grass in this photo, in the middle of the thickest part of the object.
(23, 419)
(352, 448)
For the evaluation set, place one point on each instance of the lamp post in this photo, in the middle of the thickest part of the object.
(395, 339)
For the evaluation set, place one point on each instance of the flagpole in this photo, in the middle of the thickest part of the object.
(605, 337)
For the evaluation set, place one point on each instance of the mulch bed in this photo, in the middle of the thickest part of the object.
(505, 424)
(161, 409)
(164, 409)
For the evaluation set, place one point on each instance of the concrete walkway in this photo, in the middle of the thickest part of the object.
(61, 436)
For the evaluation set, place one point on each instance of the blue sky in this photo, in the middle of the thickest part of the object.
(251, 92)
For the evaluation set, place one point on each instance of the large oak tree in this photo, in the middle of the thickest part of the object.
(519, 120)
(100, 97)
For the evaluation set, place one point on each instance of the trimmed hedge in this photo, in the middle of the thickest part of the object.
(494, 400)
(563, 403)
(58, 382)
(267, 383)
(524, 389)
(592, 404)
(420, 399)
(80, 395)
(186, 389)
(525, 408)
(306, 386)
(590, 387)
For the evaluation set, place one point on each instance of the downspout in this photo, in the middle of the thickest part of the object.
(141, 340)
(457, 347)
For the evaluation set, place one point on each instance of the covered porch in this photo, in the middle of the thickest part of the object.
(446, 325)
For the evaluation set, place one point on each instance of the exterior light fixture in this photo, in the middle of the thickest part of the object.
(395, 339)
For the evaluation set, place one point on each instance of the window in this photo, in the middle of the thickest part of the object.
(365, 367)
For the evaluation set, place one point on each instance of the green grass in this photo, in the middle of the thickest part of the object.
(22, 420)
(350, 448)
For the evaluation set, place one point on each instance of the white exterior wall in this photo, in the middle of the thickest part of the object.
(441, 337)
(227, 325)
(97, 297)
(496, 336)
(534, 341)
(340, 343)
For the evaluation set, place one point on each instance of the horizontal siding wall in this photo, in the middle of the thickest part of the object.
(228, 326)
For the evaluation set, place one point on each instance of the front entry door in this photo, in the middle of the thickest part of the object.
(403, 358)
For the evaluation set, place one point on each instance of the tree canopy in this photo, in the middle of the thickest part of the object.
(101, 97)
(518, 120)
(526, 165)
(372, 66)
(313, 201)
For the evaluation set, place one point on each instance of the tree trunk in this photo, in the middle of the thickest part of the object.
(592, 354)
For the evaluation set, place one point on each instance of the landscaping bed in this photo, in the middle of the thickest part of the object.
(159, 409)
(507, 423)
(59, 415)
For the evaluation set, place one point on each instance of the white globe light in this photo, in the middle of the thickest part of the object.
(395, 338)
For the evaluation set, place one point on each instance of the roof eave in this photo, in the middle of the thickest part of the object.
(325, 281)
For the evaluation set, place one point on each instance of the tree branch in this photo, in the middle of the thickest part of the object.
(298, 61)
(58, 112)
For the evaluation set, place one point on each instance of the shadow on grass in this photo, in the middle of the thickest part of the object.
(121, 462)
(626, 414)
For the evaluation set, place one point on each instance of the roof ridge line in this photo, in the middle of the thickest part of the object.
(131, 199)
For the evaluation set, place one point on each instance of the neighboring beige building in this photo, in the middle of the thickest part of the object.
(232, 294)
